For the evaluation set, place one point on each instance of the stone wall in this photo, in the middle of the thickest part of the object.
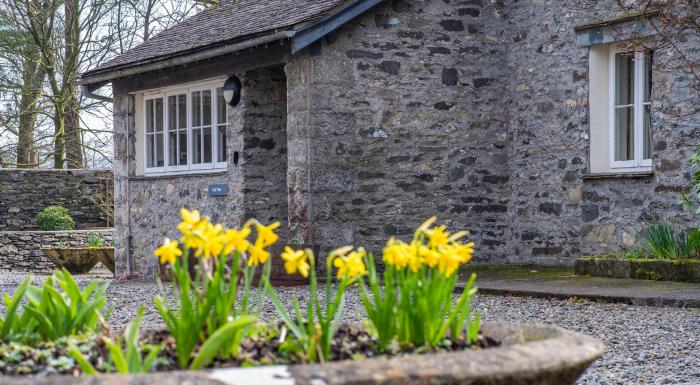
(556, 210)
(265, 146)
(478, 112)
(21, 250)
(398, 119)
(25, 192)
(475, 111)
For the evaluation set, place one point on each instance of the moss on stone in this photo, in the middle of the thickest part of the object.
(679, 270)
(502, 271)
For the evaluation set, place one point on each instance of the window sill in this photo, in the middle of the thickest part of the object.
(618, 175)
(195, 174)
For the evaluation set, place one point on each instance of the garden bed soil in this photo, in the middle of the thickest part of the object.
(505, 354)
(273, 345)
(616, 266)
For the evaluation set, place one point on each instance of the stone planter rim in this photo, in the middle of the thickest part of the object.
(548, 356)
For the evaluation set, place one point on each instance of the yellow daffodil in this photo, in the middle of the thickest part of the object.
(396, 253)
(168, 252)
(236, 240)
(352, 264)
(212, 243)
(340, 252)
(190, 220)
(295, 261)
(425, 226)
(257, 255)
(266, 234)
(449, 263)
(465, 252)
(437, 236)
(430, 257)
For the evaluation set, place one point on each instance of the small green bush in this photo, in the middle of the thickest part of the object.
(54, 218)
(95, 240)
(635, 254)
(664, 241)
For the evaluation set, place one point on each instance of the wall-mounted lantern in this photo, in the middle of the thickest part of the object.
(232, 91)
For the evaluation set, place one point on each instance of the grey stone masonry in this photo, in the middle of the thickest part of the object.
(475, 111)
(25, 192)
(21, 250)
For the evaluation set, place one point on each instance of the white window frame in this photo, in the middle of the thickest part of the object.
(216, 165)
(146, 98)
(219, 163)
(636, 164)
(168, 167)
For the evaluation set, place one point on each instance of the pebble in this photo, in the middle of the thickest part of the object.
(645, 345)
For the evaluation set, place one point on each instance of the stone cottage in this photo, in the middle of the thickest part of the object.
(528, 123)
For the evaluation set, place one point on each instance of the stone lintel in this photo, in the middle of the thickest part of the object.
(615, 29)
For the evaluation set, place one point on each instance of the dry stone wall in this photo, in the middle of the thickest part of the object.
(21, 250)
(25, 192)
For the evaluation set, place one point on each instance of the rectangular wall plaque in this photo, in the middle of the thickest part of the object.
(218, 190)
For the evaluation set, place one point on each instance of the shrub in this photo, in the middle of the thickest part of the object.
(73, 311)
(54, 218)
(96, 240)
(635, 254)
(127, 361)
(49, 314)
(664, 241)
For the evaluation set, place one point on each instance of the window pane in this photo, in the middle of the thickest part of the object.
(647, 133)
(220, 106)
(624, 134)
(207, 144)
(159, 150)
(172, 113)
(221, 153)
(197, 145)
(159, 115)
(648, 60)
(149, 150)
(206, 107)
(183, 147)
(624, 78)
(172, 145)
(196, 109)
(149, 116)
(172, 131)
(182, 111)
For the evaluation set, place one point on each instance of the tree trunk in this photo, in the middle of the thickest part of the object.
(71, 118)
(33, 77)
(73, 135)
(58, 138)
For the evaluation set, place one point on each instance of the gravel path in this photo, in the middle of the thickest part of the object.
(646, 345)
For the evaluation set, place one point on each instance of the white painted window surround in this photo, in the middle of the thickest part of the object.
(181, 129)
(621, 129)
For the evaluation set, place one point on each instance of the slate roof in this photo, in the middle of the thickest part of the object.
(231, 20)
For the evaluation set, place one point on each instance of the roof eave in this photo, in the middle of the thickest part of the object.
(105, 75)
(301, 37)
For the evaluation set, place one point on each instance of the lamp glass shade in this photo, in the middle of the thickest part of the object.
(232, 90)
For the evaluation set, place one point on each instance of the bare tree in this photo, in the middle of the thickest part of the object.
(44, 45)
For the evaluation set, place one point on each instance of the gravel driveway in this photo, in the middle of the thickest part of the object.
(646, 345)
